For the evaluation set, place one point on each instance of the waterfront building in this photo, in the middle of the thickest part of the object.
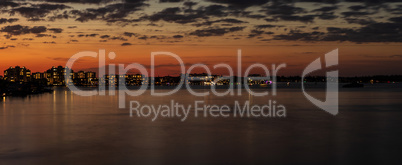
(17, 74)
(56, 75)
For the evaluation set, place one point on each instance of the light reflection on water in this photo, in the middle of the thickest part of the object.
(62, 127)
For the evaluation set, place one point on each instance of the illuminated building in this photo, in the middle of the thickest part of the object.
(201, 79)
(91, 78)
(17, 74)
(134, 79)
(56, 75)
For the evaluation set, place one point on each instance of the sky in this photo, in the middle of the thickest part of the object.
(39, 34)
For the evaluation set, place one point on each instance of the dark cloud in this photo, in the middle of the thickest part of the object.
(372, 2)
(377, 32)
(219, 18)
(189, 15)
(98, 1)
(110, 13)
(83, 16)
(129, 34)
(174, 14)
(38, 29)
(81, 1)
(10, 20)
(56, 30)
(38, 10)
(177, 36)
(42, 35)
(396, 19)
(104, 36)
(360, 21)
(318, 1)
(189, 3)
(282, 9)
(213, 10)
(88, 35)
(117, 38)
(299, 36)
(270, 19)
(8, 46)
(231, 20)
(19, 30)
(304, 18)
(287, 12)
(59, 16)
(255, 33)
(374, 32)
(227, 20)
(327, 16)
(126, 44)
(326, 13)
(4, 4)
(215, 31)
(397, 9)
(266, 26)
(338, 30)
(30, 12)
(355, 13)
(143, 38)
(241, 3)
(51, 7)
(256, 16)
(164, 1)
(35, 19)
(356, 7)
(326, 9)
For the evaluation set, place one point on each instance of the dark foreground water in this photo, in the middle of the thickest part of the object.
(64, 128)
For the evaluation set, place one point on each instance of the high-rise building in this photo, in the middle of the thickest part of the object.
(79, 78)
(109, 80)
(91, 78)
(38, 76)
(81, 75)
(56, 75)
(17, 74)
(134, 79)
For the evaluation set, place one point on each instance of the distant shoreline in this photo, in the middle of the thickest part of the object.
(280, 85)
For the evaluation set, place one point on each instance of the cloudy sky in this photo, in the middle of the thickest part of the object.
(39, 34)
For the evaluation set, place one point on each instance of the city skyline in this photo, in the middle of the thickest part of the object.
(55, 76)
(40, 34)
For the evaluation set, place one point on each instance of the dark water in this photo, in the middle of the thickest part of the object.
(64, 128)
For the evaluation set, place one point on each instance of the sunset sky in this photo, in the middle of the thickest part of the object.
(40, 34)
